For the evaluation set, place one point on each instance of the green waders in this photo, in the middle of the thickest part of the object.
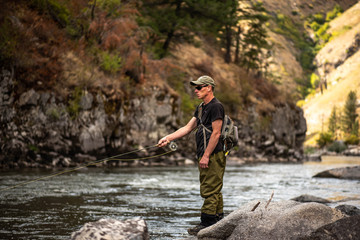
(211, 183)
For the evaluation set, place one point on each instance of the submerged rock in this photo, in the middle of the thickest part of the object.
(113, 229)
(343, 173)
(309, 198)
(280, 220)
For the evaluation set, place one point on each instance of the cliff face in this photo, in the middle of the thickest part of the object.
(65, 102)
(38, 130)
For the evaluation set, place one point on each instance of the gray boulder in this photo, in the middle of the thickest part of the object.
(112, 229)
(343, 229)
(280, 220)
(343, 173)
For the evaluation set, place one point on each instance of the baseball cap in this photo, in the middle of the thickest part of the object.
(203, 80)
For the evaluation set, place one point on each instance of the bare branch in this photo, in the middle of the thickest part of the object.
(268, 202)
(256, 205)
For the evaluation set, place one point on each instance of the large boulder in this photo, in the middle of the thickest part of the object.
(280, 220)
(343, 173)
(343, 229)
(113, 229)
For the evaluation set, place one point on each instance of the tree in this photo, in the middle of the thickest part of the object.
(254, 44)
(333, 125)
(350, 123)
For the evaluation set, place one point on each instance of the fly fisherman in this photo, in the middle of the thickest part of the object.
(210, 154)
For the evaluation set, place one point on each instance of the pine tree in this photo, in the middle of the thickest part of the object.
(333, 122)
(350, 123)
(254, 44)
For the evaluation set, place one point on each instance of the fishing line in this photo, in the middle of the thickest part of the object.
(172, 145)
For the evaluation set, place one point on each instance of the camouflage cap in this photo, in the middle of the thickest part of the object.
(203, 80)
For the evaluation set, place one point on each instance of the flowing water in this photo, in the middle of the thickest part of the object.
(166, 197)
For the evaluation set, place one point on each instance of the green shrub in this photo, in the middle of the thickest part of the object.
(352, 140)
(109, 62)
(319, 18)
(315, 26)
(314, 80)
(55, 9)
(334, 13)
(309, 149)
(325, 138)
(74, 103)
(337, 147)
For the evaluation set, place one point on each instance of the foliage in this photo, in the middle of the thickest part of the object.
(289, 29)
(167, 20)
(54, 8)
(352, 139)
(74, 103)
(254, 42)
(314, 80)
(309, 150)
(325, 138)
(337, 146)
(350, 123)
(109, 6)
(110, 62)
(188, 104)
(333, 124)
(336, 12)
(8, 42)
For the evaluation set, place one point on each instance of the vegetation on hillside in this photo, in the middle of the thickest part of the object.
(116, 47)
(342, 125)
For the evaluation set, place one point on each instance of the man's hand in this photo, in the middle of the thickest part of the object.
(163, 142)
(204, 162)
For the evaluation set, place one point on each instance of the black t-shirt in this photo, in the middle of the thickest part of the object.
(212, 111)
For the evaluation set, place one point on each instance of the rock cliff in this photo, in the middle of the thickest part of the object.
(41, 129)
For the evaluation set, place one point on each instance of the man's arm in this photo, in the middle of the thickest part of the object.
(213, 141)
(191, 125)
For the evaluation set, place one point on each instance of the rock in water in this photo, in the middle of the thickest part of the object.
(113, 229)
(310, 198)
(343, 173)
(280, 220)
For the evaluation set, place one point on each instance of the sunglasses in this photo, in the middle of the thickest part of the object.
(200, 87)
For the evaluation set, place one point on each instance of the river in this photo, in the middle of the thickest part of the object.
(166, 197)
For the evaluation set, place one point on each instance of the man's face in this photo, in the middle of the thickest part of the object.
(201, 91)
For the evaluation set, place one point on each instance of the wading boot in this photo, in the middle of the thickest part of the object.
(206, 221)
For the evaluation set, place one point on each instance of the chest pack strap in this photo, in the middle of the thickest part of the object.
(204, 129)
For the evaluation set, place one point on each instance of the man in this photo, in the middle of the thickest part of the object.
(210, 154)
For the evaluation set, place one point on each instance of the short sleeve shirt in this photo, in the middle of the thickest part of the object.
(212, 111)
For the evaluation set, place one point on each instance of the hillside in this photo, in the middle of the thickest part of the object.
(81, 80)
(290, 53)
(339, 63)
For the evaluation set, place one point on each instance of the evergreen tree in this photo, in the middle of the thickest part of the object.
(333, 122)
(254, 44)
(350, 123)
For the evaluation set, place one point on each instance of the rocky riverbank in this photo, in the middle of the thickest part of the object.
(44, 129)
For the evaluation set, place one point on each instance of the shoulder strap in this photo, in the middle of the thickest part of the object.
(202, 125)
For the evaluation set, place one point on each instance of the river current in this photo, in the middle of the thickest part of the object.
(166, 197)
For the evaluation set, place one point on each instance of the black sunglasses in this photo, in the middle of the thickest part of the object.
(200, 87)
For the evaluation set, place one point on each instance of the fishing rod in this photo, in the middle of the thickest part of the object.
(172, 145)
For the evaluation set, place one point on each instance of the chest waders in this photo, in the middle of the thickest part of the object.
(211, 182)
